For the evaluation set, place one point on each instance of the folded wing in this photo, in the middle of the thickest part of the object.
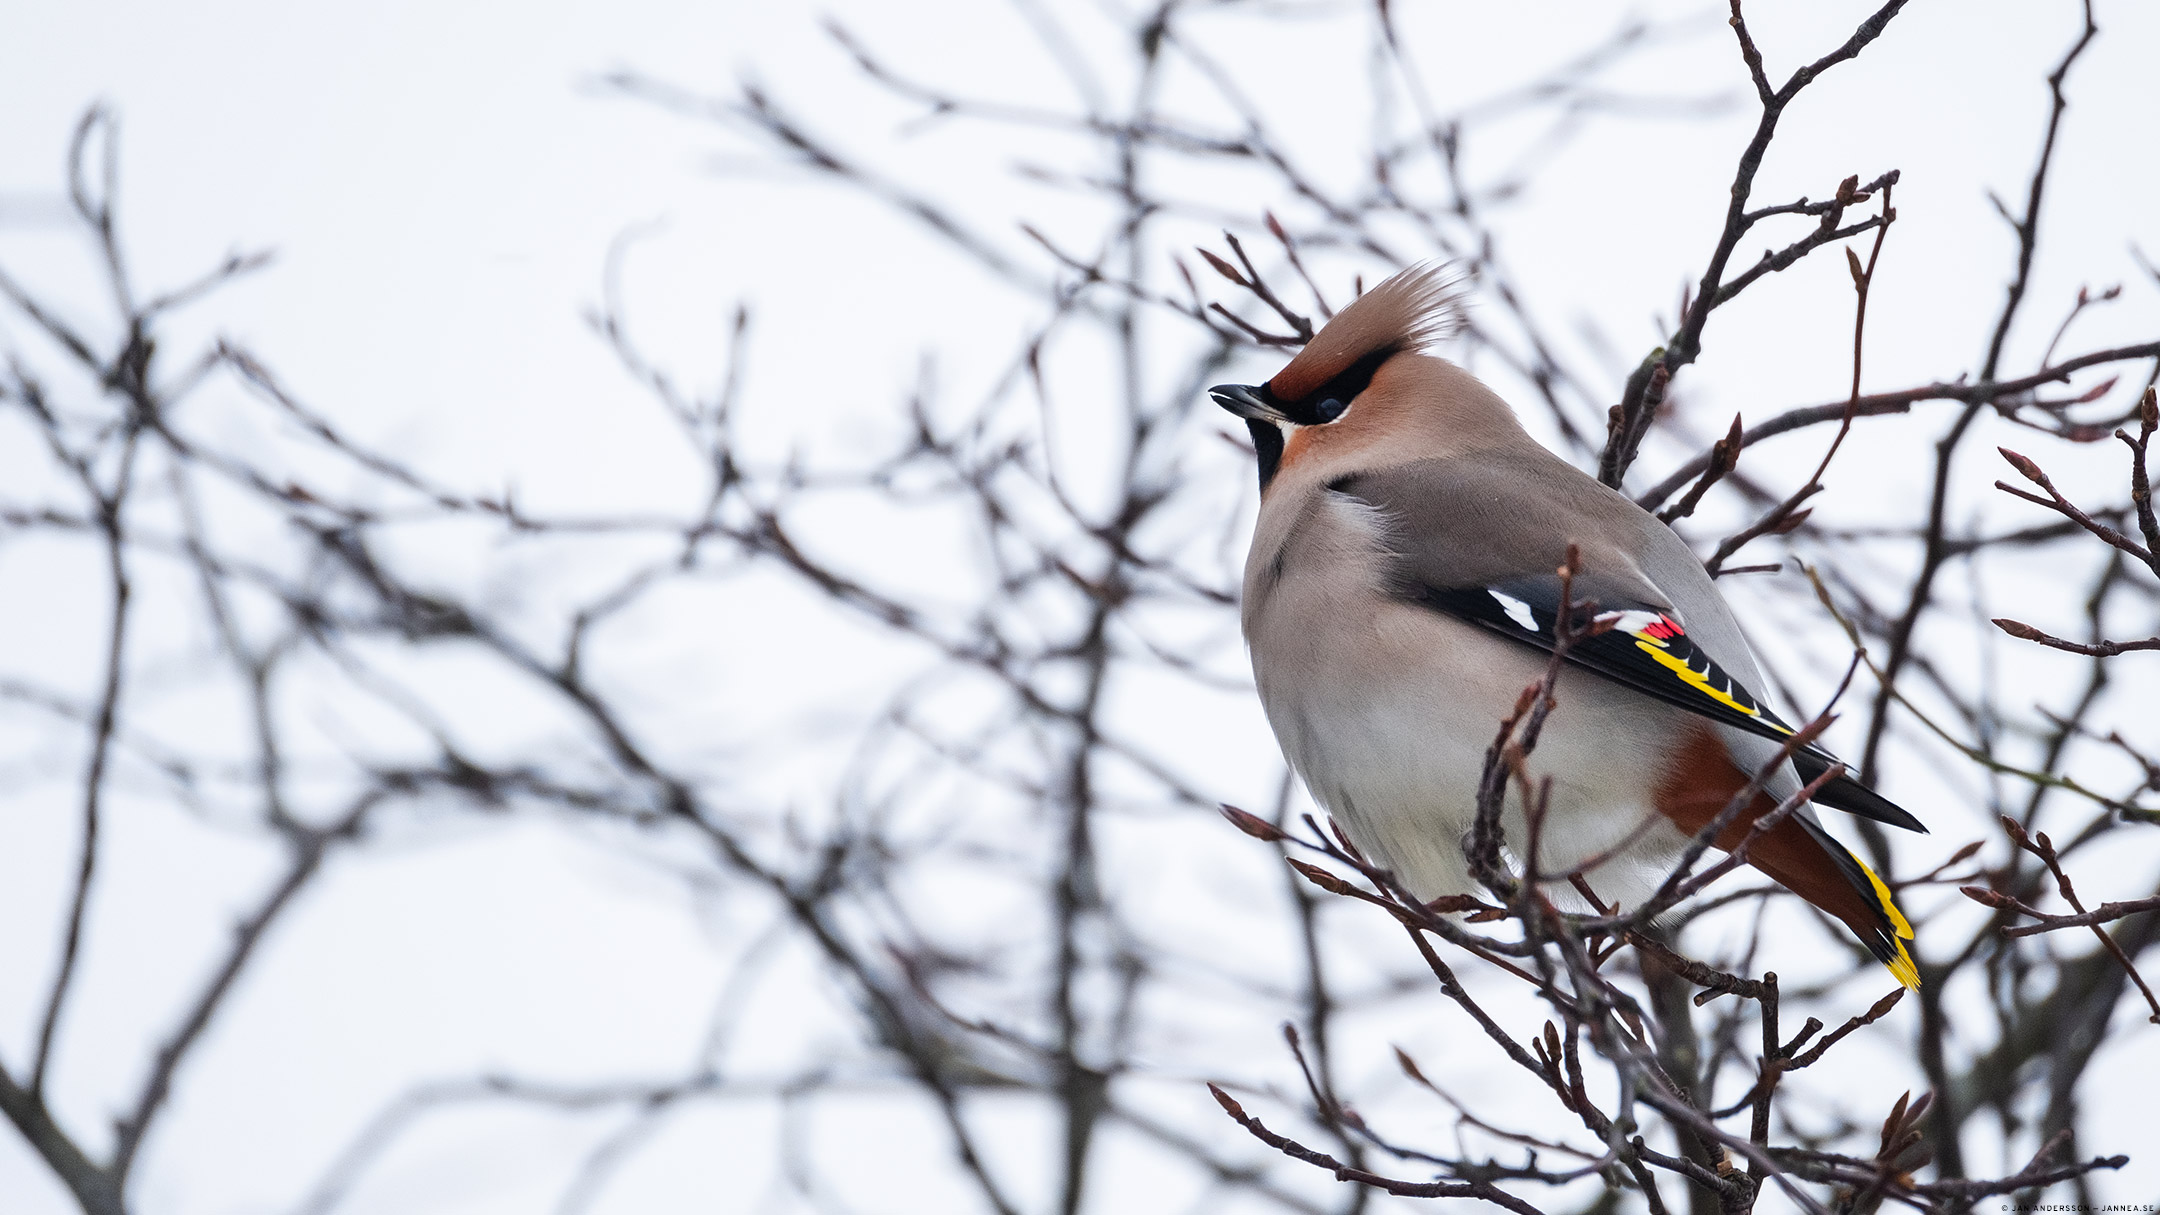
(1467, 544)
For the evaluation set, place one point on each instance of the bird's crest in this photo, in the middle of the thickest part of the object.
(1409, 311)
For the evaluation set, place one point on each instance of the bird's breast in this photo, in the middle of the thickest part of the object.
(1386, 711)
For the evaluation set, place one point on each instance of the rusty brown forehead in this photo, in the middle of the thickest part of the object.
(1295, 382)
(1400, 314)
(1322, 360)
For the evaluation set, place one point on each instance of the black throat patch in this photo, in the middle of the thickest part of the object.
(1267, 443)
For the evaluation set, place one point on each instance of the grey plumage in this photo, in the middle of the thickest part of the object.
(1387, 709)
(1394, 484)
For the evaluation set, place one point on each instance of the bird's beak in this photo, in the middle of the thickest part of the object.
(1245, 401)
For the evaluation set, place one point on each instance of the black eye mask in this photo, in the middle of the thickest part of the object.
(1332, 399)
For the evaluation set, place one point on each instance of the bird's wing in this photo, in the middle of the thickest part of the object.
(1643, 647)
(1482, 543)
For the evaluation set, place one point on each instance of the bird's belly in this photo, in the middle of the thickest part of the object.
(1389, 724)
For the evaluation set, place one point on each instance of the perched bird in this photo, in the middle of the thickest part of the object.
(1401, 592)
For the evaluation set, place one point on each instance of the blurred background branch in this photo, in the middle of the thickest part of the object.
(977, 929)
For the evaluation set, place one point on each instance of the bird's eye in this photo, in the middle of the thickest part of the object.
(1330, 409)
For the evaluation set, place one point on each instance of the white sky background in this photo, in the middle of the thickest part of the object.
(441, 186)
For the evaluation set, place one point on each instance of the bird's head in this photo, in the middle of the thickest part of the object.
(1323, 386)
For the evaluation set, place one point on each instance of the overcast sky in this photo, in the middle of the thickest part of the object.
(441, 185)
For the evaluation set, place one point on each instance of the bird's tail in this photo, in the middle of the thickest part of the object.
(1883, 929)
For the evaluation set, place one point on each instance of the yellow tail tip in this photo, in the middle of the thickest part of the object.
(1903, 967)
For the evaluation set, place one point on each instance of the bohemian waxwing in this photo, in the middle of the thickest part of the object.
(1400, 595)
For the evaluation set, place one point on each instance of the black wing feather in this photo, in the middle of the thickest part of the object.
(1842, 792)
(1649, 651)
